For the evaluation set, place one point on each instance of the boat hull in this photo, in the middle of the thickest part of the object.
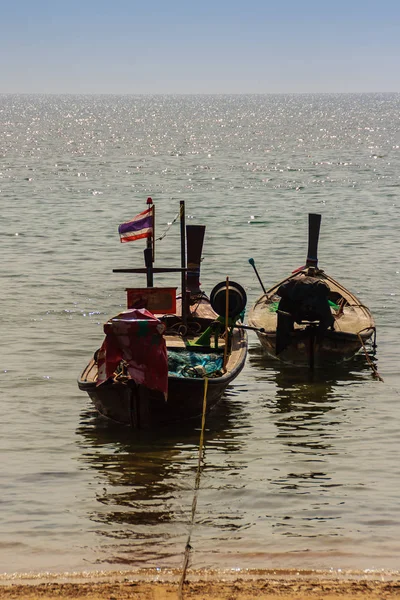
(353, 327)
(142, 408)
(305, 350)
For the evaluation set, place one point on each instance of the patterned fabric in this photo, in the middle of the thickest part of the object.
(136, 337)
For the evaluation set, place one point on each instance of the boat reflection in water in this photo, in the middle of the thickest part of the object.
(285, 473)
(303, 399)
(145, 483)
(316, 428)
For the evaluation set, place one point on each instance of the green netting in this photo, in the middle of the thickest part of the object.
(194, 364)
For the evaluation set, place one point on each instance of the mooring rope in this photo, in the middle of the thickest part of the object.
(371, 364)
(188, 546)
(170, 225)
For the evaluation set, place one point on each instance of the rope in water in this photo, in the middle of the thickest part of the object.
(188, 546)
(371, 364)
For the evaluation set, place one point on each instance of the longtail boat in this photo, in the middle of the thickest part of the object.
(166, 357)
(309, 318)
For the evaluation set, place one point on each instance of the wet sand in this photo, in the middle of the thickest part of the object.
(283, 587)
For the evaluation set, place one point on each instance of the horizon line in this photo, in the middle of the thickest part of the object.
(196, 93)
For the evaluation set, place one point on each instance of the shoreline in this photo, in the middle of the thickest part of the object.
(156, 584)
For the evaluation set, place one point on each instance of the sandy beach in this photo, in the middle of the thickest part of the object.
(204, 591)
(283, 587)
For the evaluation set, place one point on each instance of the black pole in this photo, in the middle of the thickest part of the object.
(312, 346)
(148, 261)
(251, 261)
(149, 251)
(183, 262)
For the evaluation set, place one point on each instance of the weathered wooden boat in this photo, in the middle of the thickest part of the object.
(164, 356)
(310, 319)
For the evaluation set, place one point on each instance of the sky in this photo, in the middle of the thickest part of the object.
(199, 46)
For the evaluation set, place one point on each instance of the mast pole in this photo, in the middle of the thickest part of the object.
(183, 262)
(149, 250)
(154, 232)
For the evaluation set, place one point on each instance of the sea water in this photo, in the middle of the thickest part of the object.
(300, 470)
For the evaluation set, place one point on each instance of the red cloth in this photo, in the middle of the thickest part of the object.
(135, 336)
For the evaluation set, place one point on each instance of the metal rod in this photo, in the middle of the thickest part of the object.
(155, 270)
(248, 327)
(251, 261)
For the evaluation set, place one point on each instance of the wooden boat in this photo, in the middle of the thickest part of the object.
(310, 319)
(200, 346)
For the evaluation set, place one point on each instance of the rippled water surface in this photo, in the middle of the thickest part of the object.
(299, 471)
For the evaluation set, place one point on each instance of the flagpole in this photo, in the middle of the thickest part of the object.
(154, 232)
(149, 250)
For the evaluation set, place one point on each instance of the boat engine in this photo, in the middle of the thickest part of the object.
(303, 300)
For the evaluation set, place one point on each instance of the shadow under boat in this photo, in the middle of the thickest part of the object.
(310, 319)
(153, 371)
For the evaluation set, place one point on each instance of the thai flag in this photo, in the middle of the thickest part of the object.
(141, 226)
